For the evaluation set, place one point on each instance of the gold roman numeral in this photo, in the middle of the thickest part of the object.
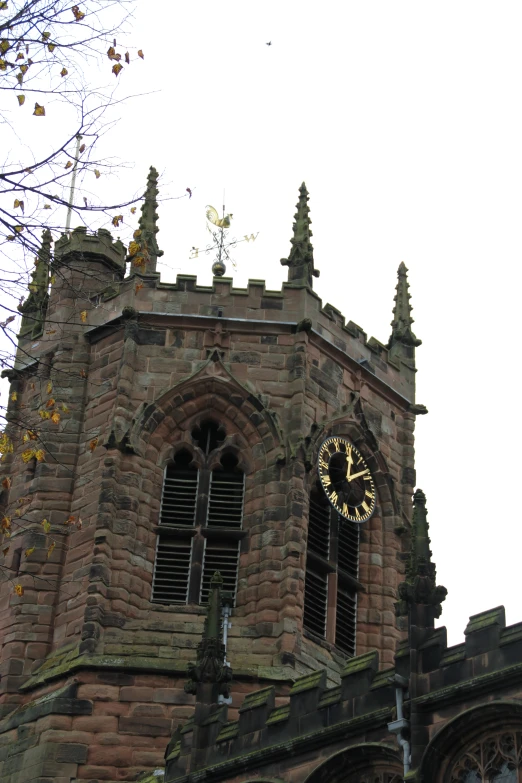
(334, 496)
(323, 464)
(365, 505)
(346, 510)
(369, 494)
(367, 477)
(357, 515)
(326, 481)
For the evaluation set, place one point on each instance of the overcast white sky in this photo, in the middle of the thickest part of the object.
(405, 121)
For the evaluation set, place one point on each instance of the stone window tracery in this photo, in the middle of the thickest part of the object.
(495, 759)
(332, 565)
(201, 518)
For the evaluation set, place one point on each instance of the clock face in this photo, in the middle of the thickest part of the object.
(346, 479)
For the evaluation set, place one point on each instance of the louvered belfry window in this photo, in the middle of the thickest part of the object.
(332, 565)
(201, 519)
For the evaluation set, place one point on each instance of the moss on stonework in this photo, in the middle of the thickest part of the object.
(257, 698)
(228, 732)
(278, 715)
(309, 681)
(158, 776)
(359, 663)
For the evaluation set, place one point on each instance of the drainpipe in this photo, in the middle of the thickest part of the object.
(401, 727)
(226, 612)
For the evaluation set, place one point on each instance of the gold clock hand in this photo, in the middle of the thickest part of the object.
(356, 475)
(349, 459)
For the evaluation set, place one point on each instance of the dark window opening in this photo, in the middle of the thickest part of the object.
(332, 566)
(208, 436)
(200, 525)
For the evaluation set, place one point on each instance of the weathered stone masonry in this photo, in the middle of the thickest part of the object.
(92, 671)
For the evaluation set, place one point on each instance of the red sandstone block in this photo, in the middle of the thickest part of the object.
(95, 723)
(57, 722)
(154, 727)
(99, 692)
(110, 708)
(110, 756)
(93, 774)
(148, 758)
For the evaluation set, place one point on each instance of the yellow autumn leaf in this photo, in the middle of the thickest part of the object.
(51, 47)
(6, 482)
(133, 210)
(139, 261)
(46, 525)
(117, 219)
(53, 279)
(64, 72)
(83, 316)
(14, 396)
(10, 237)
(68, 164)
(140, 54)
(97, 174)
(5, 524)
(3, 5)
(6, 444)
(51, 548)
(19, 590)
(39, 111)
(138, 287)
(24, 68)
(29, 552)
(19, 78)
(78, 15)
(50, 331)
(137, 233)
(20, 56)
(31, 434)
(133, 248)
(83, 374)
(70, 520)
(116, 68)
(18, 229)
(46, 36)
(20, 99)
(4, 45)
(40, 455)
(47, 206)
(49, 387)
(28, 455)
(50, 403)
(65, 409)
(93, 443)
(55, 418)
(44, 414)
(3, 65)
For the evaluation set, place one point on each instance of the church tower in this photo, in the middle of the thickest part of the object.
(175, 444)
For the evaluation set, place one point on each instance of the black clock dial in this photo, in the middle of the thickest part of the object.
(346, 479)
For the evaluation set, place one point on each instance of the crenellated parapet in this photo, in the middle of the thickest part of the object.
(274, 739)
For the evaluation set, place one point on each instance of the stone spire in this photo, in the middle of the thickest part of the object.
(420, 590)
(402, 341)
(34, 309)
(144, 251)
(300, 262)
(210, 674)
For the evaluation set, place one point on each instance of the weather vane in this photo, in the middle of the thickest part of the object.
(219, 227)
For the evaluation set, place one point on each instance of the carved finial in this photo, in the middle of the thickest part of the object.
(210, 674)
(144, 251)
(403, 340)
(420, 586)
(34, 309)
(300, 262)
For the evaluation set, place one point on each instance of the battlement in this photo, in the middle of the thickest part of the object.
(91, 246)
(363, 703)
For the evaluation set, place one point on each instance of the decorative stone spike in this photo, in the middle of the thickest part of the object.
(144, 251)
(210, 675)
(300, 262)
(420, 586)
(402, 341)
(34, 309)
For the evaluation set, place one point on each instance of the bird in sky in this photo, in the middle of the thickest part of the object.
(189, 192)
(269, 43)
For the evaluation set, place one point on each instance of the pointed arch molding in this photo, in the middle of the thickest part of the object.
(366, 763)
(351, 423)
(465, 730)
(211, 391)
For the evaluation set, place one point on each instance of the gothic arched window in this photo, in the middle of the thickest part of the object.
(495, 759)
(201, 518)
(332, 565)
